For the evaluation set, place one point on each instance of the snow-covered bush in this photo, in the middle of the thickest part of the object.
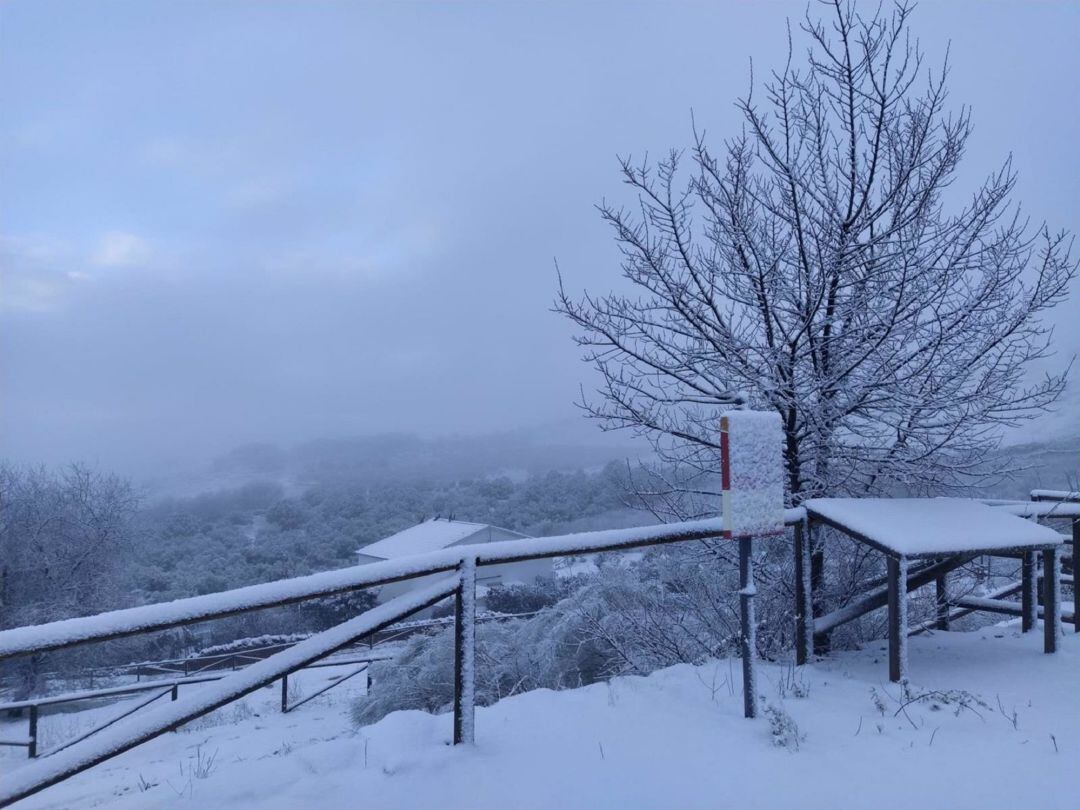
(783, 728)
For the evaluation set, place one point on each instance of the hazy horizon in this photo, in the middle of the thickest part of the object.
(224, 223)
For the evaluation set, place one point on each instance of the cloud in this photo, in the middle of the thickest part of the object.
(120, 249)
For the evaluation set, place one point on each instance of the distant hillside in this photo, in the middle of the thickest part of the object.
(1053, 464)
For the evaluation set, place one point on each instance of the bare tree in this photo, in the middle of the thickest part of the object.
(62, 539)
(822, 265)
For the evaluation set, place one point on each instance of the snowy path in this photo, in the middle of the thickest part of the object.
(676, 739)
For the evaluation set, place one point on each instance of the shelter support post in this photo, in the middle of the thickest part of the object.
(804, 612)
(1074, 570)
(897, 572)
(814, 539)
(1051, 599)
(465, 654)
(747, 592)
(941, 589)
(1028, 601)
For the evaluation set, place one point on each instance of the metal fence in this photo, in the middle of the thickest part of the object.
(460, 562)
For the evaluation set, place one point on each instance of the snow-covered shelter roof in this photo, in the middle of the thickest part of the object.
(927, 526)
(432, 535)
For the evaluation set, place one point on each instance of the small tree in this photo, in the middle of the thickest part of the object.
(821, 266)
(62, 539)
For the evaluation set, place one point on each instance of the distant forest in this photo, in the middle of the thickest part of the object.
(256, 532)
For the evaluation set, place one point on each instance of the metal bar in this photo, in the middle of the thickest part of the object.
(465, 655)
(107, 692)
(130, 710)
(32, 752)
(40, 775)
(804, 612)
(748, 623)
(1027, 592)
(1051, 601)
(336, 682)
(897, 598)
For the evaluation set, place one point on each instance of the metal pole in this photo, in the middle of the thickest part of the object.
(465, 654)
(897, 618)
(748, 640)
(284, 693)
(1051, 600)
(32, 748)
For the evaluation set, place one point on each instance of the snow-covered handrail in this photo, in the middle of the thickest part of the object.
(1054, 495)
(1040, 509)
(137, 730)
(163, 615)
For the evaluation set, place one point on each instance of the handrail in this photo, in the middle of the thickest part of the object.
(147, 686)
(139, 729)
(130, 621)
(1055, 495)
(463, 560)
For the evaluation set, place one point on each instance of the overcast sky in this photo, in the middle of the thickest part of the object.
(235, 221)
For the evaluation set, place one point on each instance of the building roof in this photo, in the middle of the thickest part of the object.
(431, 535)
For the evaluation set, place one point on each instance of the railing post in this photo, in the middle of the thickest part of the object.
(1051, 600)
(32, 748)
(1075, 573)
(804, 612)
(897, 570)
(175, 691)
(747, 591)
(465, 654)
(1028, 603)
(285, 693)
(941, 591)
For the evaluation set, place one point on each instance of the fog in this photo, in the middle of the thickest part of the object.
(224, 223)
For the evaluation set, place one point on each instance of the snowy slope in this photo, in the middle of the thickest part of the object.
(675, 739)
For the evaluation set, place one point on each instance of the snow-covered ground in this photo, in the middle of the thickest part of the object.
(992, 723)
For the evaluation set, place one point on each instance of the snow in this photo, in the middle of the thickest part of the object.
(675, 739)
(754, 498)
(431, 535)
(930, 526)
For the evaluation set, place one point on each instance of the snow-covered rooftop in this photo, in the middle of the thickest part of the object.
(928, 526)
(431, 535)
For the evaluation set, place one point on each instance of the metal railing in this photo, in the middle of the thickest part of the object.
(461, 562)
(34, 706)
